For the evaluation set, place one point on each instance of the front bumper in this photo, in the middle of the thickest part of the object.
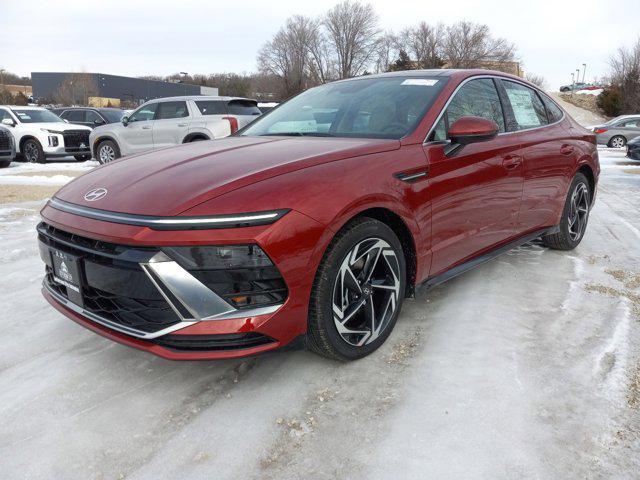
(68, 143)
(633, 152)
(252, 331)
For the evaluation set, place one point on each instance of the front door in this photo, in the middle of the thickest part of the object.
(137, 136)
(171, 124)
(475, 193)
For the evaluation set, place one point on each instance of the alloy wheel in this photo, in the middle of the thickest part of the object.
(107, 154)
(617, 142)
(578, 211)
(366, 291)
(31, 152)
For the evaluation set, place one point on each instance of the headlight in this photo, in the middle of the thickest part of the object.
(51, 131)
(243, 275)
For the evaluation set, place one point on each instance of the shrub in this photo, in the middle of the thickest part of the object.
(610, 101)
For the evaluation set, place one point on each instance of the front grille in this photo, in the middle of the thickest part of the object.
(194, 343)
(76, 140)
(5, 141)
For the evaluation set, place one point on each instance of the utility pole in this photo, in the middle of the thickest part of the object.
(2, 70)
(584, 71)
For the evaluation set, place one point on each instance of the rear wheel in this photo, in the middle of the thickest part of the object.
(618, 141)
(5, 163)
(107, 151)
(358, 291)
(32, 151)
(575, 216)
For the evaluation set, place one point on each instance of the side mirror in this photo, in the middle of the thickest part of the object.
(8, 122)
(125, 120)
(98, 121)
(468, 130)
(65, 120)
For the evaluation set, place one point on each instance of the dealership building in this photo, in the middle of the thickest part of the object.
(114, 89)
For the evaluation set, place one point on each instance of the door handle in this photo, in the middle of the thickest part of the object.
(511, 162)
(566, 149)
(146, 127)
(182, 124)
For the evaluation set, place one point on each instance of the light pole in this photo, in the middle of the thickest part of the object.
(184, 77)
(584, 71)
(2, 70)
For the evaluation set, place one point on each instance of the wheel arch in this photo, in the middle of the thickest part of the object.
(23, 139)
(98, 141)
(587, 171)
(195, 136)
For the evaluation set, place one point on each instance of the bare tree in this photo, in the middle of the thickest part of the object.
(286, 55)
(424, 43)
(353, 34)
(386, 52)
(322, 66)
(471, 45)
(625, 77)
(536, 79)
(76, 89)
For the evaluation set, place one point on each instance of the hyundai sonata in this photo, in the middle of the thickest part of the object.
(317, 220)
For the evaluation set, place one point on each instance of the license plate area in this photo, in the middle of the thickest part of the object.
(67, 271)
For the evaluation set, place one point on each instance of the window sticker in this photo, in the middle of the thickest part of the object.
(423, 82)
(523, 107)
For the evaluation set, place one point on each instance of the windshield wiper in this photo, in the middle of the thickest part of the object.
(297, 134)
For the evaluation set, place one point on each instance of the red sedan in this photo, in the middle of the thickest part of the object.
(317, 220)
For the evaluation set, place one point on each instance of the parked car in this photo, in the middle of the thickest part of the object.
(633, 148)
(40, 134)
(7, 147)
(617, 132)
(89, 116)
(317, 227)
(171, 121)
(580, 86)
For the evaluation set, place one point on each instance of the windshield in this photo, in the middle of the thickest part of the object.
(113, 116)
(387, 107)
(36, 116)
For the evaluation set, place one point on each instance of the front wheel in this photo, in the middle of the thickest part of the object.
(107, 151)
(5, 163)
(358, 291)
(575, 216)
(32, 151)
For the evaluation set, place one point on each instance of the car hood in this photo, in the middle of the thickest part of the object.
(173, 180)
(56, 126)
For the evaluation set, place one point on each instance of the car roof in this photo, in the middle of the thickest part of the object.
(23, 107)
(199, 97)
(100, 109)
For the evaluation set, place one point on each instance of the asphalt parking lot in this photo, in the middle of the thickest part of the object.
(527, 367)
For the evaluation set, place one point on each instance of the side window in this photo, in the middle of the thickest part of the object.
(631, 123)
(146, 112)
(243, 107)
(211, 107)
(553, 111)
(92, 117)
(167, 110)
(478, 98)
(4, 114)
(74, 116)
(528, 109)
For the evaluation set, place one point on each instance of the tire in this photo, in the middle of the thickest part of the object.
(5, 163)
(382, 294)
(617, 141)
(32, 151)
(107, 151)
(82, 158)
(570, 235)
(196, 139)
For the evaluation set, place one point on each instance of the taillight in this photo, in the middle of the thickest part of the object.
(233, 123)
(599, 130)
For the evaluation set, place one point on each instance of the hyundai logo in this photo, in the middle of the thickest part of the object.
(95, 194)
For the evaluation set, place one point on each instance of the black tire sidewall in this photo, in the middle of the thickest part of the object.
(113, 145)
(564, 223)
(5, 163)
(335, 255)
(41, 157)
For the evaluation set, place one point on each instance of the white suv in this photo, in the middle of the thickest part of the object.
(40, 134)
(171, 121)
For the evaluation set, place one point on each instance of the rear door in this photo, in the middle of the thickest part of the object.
(476, 193)
(547, 153)
(137, 135)
(75, 116)
(171, 124)
(631, 128)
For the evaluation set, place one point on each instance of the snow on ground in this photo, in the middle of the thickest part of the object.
(527, 367)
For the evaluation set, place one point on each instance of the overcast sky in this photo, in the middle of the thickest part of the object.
(139, 37)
